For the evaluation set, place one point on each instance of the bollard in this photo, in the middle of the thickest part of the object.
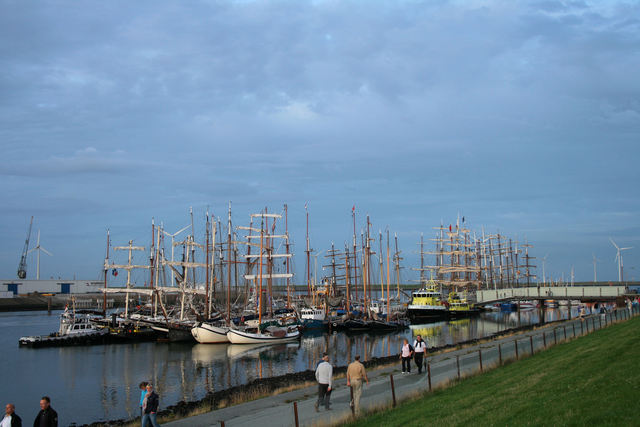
(500, 353)
(393, 391)
(555, 337)
(531, 342)
(429, 375)
(516, 343)
(480, 357)
(295, 414)
(458, 364)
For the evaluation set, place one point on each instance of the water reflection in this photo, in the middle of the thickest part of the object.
(101, 382)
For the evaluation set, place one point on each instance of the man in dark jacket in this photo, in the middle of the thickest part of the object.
(150, 407)
(11, 419)
(47, 417)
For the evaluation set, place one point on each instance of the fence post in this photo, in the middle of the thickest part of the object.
(531, 342)
(574, 330)
(587, 325)
(581, 328)
(565, 332)
(480, 356)
(428, 375)
(544, 339)
(516, 343)
(393, 390)
(555, 337)
(222, 422)
(295, 414)
(500, 354)
(458, 364)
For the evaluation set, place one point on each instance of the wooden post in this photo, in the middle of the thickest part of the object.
(587, 325)
(295, 414)
(555, 337)
(500, 353)
(565, 332)
(581, 328)
(480, 357)
(429, 375)
(531, 342)
(458, 364)
(222, 422)
(516, 343)
(574, 329)
(393, 391)
(544, 339)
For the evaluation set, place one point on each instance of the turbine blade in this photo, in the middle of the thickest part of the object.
(46, 251)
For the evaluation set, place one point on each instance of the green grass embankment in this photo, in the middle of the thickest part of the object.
(592, 380)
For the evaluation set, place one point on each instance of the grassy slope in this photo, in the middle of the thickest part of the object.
(592, 380)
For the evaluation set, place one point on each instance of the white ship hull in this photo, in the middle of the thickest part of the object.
(236, 336)
(205, 333)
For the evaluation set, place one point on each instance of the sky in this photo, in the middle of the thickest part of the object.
(523, 117)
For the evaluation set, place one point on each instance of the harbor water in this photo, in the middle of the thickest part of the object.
(100, 382)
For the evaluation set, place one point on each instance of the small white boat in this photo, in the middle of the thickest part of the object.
(74, 329)
(208, 333)
(271, 335)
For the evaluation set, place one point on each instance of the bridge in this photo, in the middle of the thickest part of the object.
(582, 293)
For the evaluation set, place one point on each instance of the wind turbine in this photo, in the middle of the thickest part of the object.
(619, 259)
(39, 249)
(544, 277)
(595, 272)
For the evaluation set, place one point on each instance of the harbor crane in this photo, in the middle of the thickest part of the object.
(22, 267)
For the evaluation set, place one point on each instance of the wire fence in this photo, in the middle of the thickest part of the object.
(444, 368)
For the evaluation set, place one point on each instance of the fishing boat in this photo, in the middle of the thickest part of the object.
(74, 330)
(313, 318)
(426, 304)
(459, 307)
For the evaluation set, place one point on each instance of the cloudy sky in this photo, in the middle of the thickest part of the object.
(522, 116)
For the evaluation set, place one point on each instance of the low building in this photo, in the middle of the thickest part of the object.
(10, 288)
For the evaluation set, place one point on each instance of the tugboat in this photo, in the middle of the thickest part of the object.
(74, 330)
(460, 307)
(426, 304)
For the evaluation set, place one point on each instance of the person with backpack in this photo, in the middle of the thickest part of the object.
(406, 352)
(420, 348)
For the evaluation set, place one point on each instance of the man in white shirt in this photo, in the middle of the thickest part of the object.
(324, 376)
(419, 348)
(11, 419)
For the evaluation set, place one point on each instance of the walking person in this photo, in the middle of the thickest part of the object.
(355, 374)
(47, 417)
(406, 352)
(143, 393)
(150, 407)
(324, 376)
(11, 419)
(420, 349)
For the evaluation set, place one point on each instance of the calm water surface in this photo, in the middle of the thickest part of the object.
(94, 383)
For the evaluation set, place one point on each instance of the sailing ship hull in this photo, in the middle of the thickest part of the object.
(236, 336)
(206, 333)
